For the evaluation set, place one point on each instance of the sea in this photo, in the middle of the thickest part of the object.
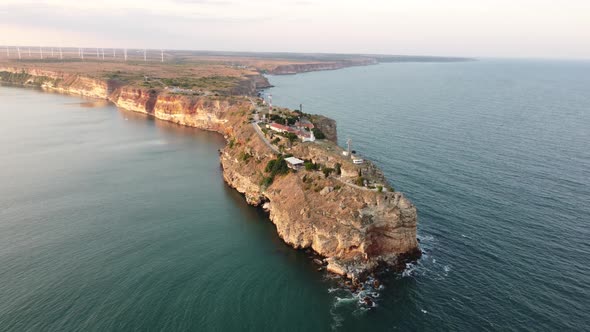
(114, 221)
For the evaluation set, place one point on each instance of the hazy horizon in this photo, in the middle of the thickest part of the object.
(486, 29)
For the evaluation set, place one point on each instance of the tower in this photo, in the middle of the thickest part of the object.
(61, 56)
(348, 142)
(162, 53)
(40, 52)
(125, 53)
(18, 51)
(144, 55)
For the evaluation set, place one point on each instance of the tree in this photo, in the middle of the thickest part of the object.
(318, 133)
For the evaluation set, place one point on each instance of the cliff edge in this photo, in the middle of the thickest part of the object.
(345, 211)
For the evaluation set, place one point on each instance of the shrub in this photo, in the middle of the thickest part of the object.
(277, 166)
(327, 171)
(245, 156)
(311, 166)
(359, 181)
(291, 137)
(379, 188)
(318, 133)
(266, 181)
(338, 168)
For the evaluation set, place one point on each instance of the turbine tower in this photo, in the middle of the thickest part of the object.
(144, 55)
(40, 52)
(7, 51)
(52, 52)
(114, 53)
(29, 52)
(125, 53)
(18, 51)
(102, 49)
(162, 53)
(82, 53)
(97, 53)
(61, 56)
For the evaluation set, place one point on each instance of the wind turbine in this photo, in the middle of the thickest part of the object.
(18, 50)
(97, 53)
(61, 56)
(114, 53)
(52, 52)
(144, 55)
(40, 52)
(125, 53)
(7, 51)
(29, 52)
(102, 49)
(162, 53)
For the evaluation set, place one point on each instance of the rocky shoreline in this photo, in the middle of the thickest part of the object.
(355, 231)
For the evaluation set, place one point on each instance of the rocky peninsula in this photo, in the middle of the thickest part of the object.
(344, 211)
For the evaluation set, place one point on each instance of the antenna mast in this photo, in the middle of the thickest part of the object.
(348, 141)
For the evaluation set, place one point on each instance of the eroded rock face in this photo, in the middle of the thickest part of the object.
(355, 229)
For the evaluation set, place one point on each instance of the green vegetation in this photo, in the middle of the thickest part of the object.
(274, 167)
(266, 181)
(327, 171)
(231, 143)
(23, 78)
(311, 166)
(212, 83)
(245, 156)
(338, 169)
(318, 133)
(291, 137)
(359, 181)
(379, 188)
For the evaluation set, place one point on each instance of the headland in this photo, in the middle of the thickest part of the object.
(319, 195)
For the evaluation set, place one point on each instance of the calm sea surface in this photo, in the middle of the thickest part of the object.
(110, 220)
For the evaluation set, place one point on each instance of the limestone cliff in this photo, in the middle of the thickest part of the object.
(355, 228)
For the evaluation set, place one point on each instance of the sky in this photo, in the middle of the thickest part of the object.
(475, 28)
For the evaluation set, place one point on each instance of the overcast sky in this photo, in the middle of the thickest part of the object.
(498, 28)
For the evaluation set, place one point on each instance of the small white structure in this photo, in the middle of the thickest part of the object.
(357, 161)
(294, 163)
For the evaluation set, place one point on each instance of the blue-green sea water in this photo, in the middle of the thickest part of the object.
(113, 221)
